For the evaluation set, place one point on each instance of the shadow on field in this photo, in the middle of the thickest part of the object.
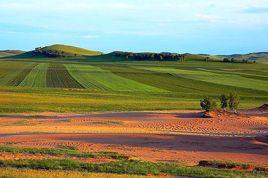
(189, 115)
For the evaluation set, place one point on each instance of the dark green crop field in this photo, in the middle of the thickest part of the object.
(86, 85)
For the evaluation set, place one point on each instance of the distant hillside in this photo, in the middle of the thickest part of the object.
(60, 51)
(5, 53)
(261, 56)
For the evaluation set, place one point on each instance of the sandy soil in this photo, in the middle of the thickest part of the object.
(181, 122)
(182, 136)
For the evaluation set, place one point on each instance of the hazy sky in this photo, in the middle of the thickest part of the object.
(194, 26)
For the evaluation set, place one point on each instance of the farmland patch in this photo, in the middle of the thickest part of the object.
(206, 76)
(59, 77)
(95, 77)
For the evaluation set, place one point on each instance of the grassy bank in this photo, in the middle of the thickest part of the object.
(128, 167)
(59, 152)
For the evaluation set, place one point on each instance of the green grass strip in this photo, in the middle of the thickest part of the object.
(129, 167)
(58, 152)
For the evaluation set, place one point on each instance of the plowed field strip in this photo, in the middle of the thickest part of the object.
(59, 77)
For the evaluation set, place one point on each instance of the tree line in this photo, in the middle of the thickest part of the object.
(233, 60)
(150, 56)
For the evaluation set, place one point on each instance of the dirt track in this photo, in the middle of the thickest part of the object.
(156, 136)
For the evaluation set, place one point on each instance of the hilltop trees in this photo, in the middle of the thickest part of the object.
(49, 53)
(52, 53)
(232, 101)
(150, 56)
(233, 60)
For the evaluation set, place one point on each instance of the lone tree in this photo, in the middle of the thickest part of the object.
(224, 101)
(208, 104)
(234, 101)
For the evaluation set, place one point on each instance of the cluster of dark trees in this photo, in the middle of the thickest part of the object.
(233, 60)
(210, 104)
(51, 53)
(150, 56)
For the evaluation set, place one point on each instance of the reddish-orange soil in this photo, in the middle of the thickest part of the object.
(182, 136)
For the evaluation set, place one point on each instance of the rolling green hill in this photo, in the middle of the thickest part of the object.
(71, 50)
(60, 50)
(57, 51)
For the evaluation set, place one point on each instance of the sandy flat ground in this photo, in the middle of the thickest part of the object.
(182, 136)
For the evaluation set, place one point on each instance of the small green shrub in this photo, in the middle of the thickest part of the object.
(208, 104)
(234, 101)
(224, 101)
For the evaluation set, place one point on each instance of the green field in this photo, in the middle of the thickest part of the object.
(96, 84)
